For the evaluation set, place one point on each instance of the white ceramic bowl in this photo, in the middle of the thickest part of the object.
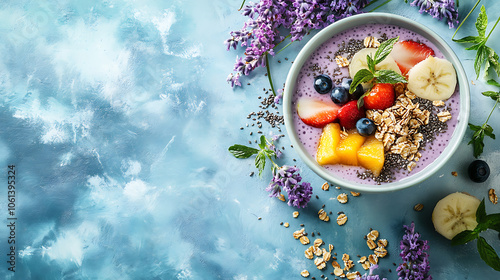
(346, 24)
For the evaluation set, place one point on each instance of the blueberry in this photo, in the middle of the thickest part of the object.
(323, 84)
(346, 83)
(339, 95)
(479, 171)
(365, 127)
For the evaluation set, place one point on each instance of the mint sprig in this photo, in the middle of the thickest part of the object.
(266, 150)
(485, 222)
(484, 55)
(379, 76)
(480, 131)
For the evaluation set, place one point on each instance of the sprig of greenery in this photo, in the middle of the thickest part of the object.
(264, 151)
(484, 55)
(484, 222)
(380, 76)
(477, 140)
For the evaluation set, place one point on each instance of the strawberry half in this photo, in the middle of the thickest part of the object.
(349, 114)
(408, 53)
(381, 96)
(317, 113)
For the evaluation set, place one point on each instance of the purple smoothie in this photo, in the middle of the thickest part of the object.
(322, 62)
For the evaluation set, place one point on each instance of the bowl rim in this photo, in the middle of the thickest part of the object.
(377, 18)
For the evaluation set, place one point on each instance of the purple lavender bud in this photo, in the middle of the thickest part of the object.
(414, 256)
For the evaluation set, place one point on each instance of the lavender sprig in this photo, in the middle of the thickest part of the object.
(414, 256)
(285, 178)
(439, 9)
(270, 22)
(370, 275)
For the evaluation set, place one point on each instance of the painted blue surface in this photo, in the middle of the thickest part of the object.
(117, 118)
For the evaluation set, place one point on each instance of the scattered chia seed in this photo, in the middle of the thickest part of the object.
(251, 173)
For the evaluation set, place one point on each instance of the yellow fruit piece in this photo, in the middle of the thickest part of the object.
(348, 148)
(328, 142)
(371, 155)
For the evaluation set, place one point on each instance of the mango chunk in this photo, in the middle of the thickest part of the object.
(371, 155)
(348, 148)
(328, 142)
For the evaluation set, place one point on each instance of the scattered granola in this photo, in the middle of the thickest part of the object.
(444, 116)
(318, 242)
(325, 186)
(418, 207)
(305, 273)
(492, 196)
(355, 193)
(299, 233)
(341, 219)
(454, 173)
(323, 216)
(341, 61)
(371, 42)
(372, 235)
(295, 214)
(320, 263)
(342, 198)
(304, 240)
(309, 252)
(286, 225)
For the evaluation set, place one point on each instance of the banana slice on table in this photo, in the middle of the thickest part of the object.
(433, 79)
(455, 213)
(358, 62)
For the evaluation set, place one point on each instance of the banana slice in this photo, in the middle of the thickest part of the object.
(433, 79)
(455, 213)
(358, 62)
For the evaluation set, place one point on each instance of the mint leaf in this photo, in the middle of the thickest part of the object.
(480, 212)
(492, 61)
(389, 77)
(370, 63)
(488, 254)
(260, 161)
(464, 237)
(262, 144)
(493, 83)
(493, 94)
(362, 76)
(492, 221)
(482, 22)
(384, 50)
(488, 131)
(477, 139)
(481, 55)
(241, 151)
(469, 39)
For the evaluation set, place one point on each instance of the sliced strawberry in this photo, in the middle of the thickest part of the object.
(381, 96)
(317, 113)
(349, 114)
(408, 53)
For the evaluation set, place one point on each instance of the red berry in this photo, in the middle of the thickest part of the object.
(349, 114)
(381, 96)
(317, 113)
(408, 53)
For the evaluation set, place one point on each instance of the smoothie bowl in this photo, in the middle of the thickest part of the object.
(376, 102)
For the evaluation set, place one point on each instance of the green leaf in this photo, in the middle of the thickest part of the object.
(488, 254)
(361, 99)
(488, 131)
(474, 127)
(260, 161)
(469, 39)
(370, 63)
(482, 22)
(480, 212)
(241, 151)
(475, 47)
(389, 77)
(492, 221)
(262, 144)
(464, 237)
(477, 139)
(362, 76)
(493, 83)
(384, 50)
(493, 94)
(481, 56)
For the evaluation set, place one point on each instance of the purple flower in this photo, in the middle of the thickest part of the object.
(370, 275)
(415, 258)
(439, 9)
(287, 178)
(269, 19)
(299, 195)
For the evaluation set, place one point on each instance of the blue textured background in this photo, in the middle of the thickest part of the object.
(117, 117)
